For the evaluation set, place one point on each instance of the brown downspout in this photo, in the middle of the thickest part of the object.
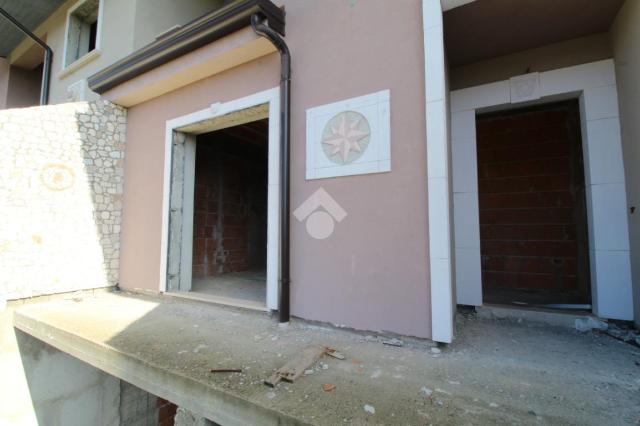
(285, 102)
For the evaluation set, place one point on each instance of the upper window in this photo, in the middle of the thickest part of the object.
(82, 30)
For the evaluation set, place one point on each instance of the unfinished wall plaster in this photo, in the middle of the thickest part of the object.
(61, 183)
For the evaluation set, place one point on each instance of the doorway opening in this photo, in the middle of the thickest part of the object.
(230, 213)
(221, 207)
(533, 216)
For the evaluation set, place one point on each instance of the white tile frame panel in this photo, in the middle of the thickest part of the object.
(272, 98)
(595, 86)
(438, 181)
(379, 149)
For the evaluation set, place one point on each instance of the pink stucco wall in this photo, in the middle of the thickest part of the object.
(372, 273)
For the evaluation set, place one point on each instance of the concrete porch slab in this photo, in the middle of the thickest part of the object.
(496, 372)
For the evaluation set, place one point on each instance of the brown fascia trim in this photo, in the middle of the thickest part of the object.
(197, 33)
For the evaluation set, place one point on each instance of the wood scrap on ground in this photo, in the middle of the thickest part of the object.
(297, 366)
(333, 353)
(226, 370)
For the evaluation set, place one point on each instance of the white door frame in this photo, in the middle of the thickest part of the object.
(271, 98)
(594, 85)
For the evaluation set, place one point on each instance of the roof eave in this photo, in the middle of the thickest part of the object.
(197, 33)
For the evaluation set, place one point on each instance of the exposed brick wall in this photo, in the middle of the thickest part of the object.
(205, 221)
(230, 200)
(532, 204)
(166, 412)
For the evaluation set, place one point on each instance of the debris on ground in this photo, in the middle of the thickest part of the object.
(618, 331)
(590, 323)
(426, 391)
(226, 370)
(301, 363)
(626, 335)
(333, 353)
(435, 351)
(369, 409)
(328, 387)
(393, 342)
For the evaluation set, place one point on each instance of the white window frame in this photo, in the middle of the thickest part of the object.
(270, 97)
(89, 56)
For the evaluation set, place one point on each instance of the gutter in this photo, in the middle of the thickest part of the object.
(285, 129)
(175, 43)
(48, 55)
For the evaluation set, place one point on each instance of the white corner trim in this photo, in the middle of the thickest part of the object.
(438, 182)
(272, 98)
(595, 86)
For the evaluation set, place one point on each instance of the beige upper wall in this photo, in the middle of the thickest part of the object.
(116, 42)
(154, 17)
(625, 37)
(558, 55)
(126, 25)
(372, 273)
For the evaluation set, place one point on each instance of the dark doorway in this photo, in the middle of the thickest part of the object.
(230, 213)
(533, 223)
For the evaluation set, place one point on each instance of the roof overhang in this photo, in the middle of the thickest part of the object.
(29, 13)
(194, 35)
(485, 29)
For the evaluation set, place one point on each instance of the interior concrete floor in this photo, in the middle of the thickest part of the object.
(496, 371)
(244, 286)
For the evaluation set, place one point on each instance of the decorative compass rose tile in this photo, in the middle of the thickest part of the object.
(346, 137)
(349, 137)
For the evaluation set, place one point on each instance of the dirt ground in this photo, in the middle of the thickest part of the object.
(496, 371)
(510, 372)
(502, 371)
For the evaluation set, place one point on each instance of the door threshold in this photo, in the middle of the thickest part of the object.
(556, 317)
(220, 300)
(559, 309)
